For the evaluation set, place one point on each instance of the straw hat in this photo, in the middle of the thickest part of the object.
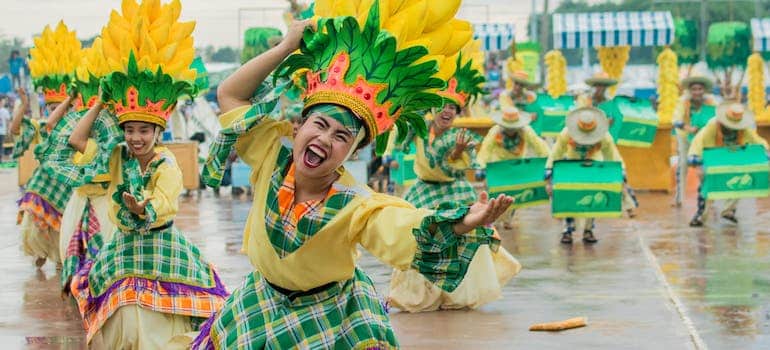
(587, 125)
(522, 78)
(511, 118)
(698, 78)
(734, 115)
(601, 79)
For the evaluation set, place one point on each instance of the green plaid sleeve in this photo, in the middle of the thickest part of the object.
(442, 148)
(443, 256)
(107, 134)
(267, 98)
(56, 145)
(25, 138)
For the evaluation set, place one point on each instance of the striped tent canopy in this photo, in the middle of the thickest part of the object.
(607, 29)
(494, 36)
(760, 30)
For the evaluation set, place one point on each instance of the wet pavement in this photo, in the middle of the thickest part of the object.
(650, 283)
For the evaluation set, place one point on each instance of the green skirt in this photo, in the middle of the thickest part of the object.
(345, 315)
(432, 195)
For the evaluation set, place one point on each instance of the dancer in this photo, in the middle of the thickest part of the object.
(148, 283)
(689, 116)
(521, 93)
(511, 138)
(54, 58)
(441, 164)
(308, 213)
(85, 224)
(585, 137)
(733, 126)
(599, 82)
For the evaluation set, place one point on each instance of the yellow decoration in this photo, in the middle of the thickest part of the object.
(557, 73)
(56, 52)
(153, 33)
(93, 62)
(756, 85)
(613, 60)
(668, 85)
(415, 23)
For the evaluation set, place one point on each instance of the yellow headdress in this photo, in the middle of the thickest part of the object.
(54, 58)
(150, 52)
(381, 59)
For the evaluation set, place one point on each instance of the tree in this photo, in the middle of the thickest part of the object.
(225, 54)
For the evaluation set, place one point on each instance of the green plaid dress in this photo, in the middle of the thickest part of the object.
(345, 314)
(428, 194)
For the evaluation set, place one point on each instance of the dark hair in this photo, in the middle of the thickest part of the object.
(458, 110)
(198, 136)
(15, 52)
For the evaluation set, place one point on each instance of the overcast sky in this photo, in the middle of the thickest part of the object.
(218, 22)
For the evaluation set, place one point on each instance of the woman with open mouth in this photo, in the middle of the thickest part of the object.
(309, 214)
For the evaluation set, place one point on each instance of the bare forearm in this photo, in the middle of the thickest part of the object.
(79, 137)
(18, 115)
(58, 113)
(237, 89)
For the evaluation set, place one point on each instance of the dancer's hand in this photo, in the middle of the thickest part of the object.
(462, 142)
(135, 206)
(294, 35)
(483, 212)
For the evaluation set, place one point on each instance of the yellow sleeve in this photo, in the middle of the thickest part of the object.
(505, 99)
(610, 151)
(485, 153)
(559, 149)
(539, 146)
(383, 225)
(752, 137)
(88, 155)
(165, 193)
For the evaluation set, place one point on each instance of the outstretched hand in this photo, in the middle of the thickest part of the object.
(483, 212)
(134, 206)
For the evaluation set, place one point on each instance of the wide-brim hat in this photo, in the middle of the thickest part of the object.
(522, 78)
(587, 125)
(734, 115)
(707, 83)
(601, 79)
(511, 118)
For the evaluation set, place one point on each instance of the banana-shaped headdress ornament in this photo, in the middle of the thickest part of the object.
(53, 61)
(88, 75)
(384, 60)
(149, 52)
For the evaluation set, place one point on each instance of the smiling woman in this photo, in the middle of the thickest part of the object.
(309, 214)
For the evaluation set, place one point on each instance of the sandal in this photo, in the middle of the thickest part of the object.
(697, 221)
(566, 237)
(730, 216)
(588, 237)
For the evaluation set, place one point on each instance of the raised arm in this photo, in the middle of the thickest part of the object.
(18, 113)
(79, 137)
(238, 88)
(58, 113)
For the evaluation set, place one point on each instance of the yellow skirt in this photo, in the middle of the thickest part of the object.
(134, 328)
(487, 273)
(73, 215)
(39, 243)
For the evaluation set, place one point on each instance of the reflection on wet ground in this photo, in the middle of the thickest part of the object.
(650, 283)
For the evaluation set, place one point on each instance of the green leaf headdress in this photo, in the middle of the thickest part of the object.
(381, 59)
(150, 53)
(467, 81)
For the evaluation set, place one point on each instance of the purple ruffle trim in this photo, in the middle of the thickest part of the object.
(204, 335)
(36, 200)
(170, 287)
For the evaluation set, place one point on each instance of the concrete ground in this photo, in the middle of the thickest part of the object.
(650, 283)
